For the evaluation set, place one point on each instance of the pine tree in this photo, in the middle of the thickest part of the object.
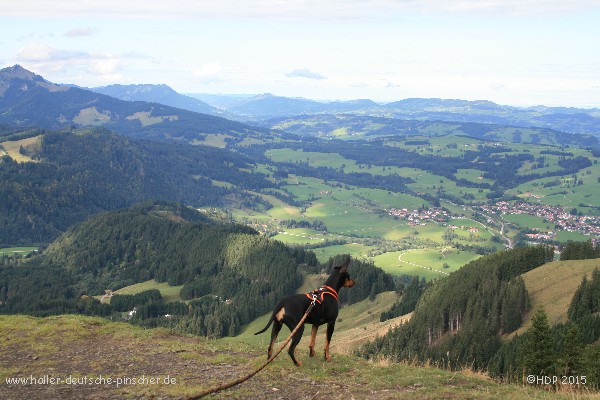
(538, 357)
(591, 365)
(570, 359)
(579, 307)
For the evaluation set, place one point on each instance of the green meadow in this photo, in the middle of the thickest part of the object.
(9, 251)
(168, 293)
(530, 221)
(358, 219)
(428, 263)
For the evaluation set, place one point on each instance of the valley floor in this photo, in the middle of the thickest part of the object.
(86, 353)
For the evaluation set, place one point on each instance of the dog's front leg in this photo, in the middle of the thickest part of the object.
(330, 329)
(313, 338)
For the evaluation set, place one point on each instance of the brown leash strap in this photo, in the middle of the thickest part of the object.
(245, 378)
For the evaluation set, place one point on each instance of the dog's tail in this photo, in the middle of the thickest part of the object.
(268, 325)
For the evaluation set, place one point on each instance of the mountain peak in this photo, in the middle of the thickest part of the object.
(18, 72)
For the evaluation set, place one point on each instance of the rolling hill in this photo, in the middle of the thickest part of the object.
(63, 177)
(268, 106)
(357, 127)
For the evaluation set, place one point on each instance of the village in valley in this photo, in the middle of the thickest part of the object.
(558, 217)
(422, 215)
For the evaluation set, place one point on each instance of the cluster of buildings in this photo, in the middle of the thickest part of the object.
(555, 215)
(420, 216)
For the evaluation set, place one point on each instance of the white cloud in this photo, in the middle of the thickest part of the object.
(44, 59)
(79, 32)
(304, 73)
(208, 73)
(290, 9)
(39, 52)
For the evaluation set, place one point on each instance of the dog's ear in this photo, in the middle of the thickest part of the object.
(344, 267)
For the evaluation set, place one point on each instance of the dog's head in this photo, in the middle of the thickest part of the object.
(345, 280)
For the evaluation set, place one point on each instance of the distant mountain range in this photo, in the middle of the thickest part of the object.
(28, 100)
(159, 112)
(267, 106)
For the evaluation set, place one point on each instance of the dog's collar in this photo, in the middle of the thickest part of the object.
(319, 294)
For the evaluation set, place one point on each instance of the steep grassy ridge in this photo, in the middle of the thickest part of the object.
(552, 286)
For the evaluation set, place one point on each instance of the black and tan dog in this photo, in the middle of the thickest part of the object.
(290, 311)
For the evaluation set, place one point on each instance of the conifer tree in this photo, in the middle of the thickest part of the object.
(569, 362)
(538, 354)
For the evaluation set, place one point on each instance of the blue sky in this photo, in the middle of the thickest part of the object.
(525, 52)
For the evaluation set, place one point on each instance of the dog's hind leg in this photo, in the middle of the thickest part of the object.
(274, 332)
(295, 340)
(330, 328)
(313, 338)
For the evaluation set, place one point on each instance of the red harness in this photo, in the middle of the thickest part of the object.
(318, 295)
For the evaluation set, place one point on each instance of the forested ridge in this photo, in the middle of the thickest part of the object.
(87, 171)
(460, 321)
(463, 314)
(229, 273)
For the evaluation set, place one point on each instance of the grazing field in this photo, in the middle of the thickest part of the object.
(12, 148)
(564, 236)
(168, 293)
(473, 175)
(9, 251)
(357, 222)
(300, 236)
(353, 249)
(214, 140)
(552, 286)
(361, 216)
(529, 221)
(428, 263)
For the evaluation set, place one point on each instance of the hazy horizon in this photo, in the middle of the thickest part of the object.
(513, 53)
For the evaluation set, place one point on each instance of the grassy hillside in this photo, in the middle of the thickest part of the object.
(552, 286)
(168, 292)
(91, 348)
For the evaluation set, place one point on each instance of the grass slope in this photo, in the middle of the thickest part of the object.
(168, 292)
(91, 349)
(552, 286)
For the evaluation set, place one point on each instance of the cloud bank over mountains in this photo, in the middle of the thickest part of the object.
(290, 9)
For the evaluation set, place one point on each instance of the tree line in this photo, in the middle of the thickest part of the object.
(458, 322)
(458, 319)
